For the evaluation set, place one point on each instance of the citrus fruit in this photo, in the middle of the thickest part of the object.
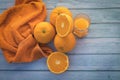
(44, 32)
(65, 44)
(57, 62)
(64, 25)
(57, 11)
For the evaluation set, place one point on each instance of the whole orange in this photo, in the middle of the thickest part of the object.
(44, 32)
(57, 11)
(65, 44)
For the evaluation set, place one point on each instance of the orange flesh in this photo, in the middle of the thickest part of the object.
(81, 23)
(63, 25)
(58, 62)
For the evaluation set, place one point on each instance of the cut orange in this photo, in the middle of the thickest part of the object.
(58, 62)
(57, 11)
(64, 25)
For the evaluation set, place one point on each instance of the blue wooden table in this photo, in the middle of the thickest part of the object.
(96, 57)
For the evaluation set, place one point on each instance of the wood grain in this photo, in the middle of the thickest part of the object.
(95, 46)
(69, 75)
(77, 62)
(79, 4)
(95, 57)
(98, 15)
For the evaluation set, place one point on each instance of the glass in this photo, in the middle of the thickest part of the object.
(81, 25)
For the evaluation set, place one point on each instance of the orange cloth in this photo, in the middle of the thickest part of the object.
(16, 31)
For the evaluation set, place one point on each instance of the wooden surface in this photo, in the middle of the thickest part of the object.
(96, 57)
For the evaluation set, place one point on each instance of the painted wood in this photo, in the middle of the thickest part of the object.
(70, 1)
(79, 4)
(96, 57)
(98, 15)
(96, 46)
(104, 31)
(88, 1)
(69, 75)
(77, 62)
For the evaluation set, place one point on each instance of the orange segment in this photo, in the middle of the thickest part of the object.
(57, 62)
(64, 25)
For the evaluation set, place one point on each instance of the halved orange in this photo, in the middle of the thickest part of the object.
(57, 11)
(64, 25)
(58, 62)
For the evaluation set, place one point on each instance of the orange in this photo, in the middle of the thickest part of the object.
(65, 44)
(57, 62)
(44, 32)
(57, 11)
(64, 25)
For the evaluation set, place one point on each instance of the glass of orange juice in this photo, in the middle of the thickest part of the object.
(81, 25)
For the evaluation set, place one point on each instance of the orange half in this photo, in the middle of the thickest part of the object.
(57, 62)
(64, 25)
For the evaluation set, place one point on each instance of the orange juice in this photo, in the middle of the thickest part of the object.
(81, 25)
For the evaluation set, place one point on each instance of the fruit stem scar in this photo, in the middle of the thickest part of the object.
(61, 48)
(62, 25)
(43, 31)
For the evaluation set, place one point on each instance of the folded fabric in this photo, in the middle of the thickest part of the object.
(16, 31)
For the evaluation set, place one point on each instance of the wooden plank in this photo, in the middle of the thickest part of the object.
(87, 5)
(104, 31)
(77, 62)
(98, 15)
(89, 1)
(100, 30)
(94, 62)
(5, 5)
(77, 1)
(46, 75)
(71, 3)
(97, 46)
(83, 3)
(6, 1)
